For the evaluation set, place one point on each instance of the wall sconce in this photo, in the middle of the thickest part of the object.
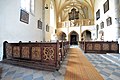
(47, 28)
(118, 19)
(46, 6)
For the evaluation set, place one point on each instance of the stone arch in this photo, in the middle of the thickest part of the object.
(86, 35)
(61, 36)
(73, 37)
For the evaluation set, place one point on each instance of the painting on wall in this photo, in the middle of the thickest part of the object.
(106, 6)
(109, 21)
(102, 25)
(39, 24)
(98, 14)
(24, 16)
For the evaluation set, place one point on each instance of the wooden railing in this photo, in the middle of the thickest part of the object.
(99, 46)
(39, 55)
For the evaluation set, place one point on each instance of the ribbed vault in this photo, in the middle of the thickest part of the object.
(85, 8)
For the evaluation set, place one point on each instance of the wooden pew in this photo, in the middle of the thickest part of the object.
(64, 46)
(101, 47)
(38, 55)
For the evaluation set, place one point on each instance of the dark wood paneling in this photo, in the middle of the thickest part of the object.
(100, 46)
(47, 54)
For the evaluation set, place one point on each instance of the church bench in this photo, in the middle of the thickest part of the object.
(64, 46)
(38, 55)
(101, 47)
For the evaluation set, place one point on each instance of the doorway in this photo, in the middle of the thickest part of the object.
(74, 38)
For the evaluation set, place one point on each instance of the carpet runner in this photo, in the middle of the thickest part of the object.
(79, 68)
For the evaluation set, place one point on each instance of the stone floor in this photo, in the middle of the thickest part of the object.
(10, 72)
(108, 69)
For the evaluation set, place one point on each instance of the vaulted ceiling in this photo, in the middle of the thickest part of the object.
(85, 8)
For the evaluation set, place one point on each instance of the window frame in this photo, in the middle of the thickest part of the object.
(28, 8)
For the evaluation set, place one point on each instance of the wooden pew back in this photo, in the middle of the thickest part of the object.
(44, 53)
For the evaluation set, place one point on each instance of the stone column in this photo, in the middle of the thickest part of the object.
(43, 18)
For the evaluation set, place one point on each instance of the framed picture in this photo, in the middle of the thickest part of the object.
(98, 14)
(47, 28)
(39, 24)
(106, 6)
(109, 21)
(24, 16)
(102, 25)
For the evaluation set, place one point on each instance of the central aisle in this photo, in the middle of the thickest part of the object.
(79, 68)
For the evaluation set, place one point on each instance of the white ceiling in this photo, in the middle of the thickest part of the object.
(85, 8)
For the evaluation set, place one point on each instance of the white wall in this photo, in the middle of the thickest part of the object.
(47, 21)
(52, 20)
(12, 29)
(77, 29)
(90, 28)
(110, 32)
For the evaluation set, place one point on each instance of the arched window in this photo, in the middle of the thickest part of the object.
(28, 5)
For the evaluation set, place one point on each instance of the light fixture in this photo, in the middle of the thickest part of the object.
(46, 6)
(118, 19)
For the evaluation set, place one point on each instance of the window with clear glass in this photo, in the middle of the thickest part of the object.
(32, 6)
(28, 5)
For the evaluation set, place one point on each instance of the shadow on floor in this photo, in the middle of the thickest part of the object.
(0, 72)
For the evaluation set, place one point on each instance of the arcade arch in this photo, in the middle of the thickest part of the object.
(61, 36)
(73, 37)
(86, 35)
